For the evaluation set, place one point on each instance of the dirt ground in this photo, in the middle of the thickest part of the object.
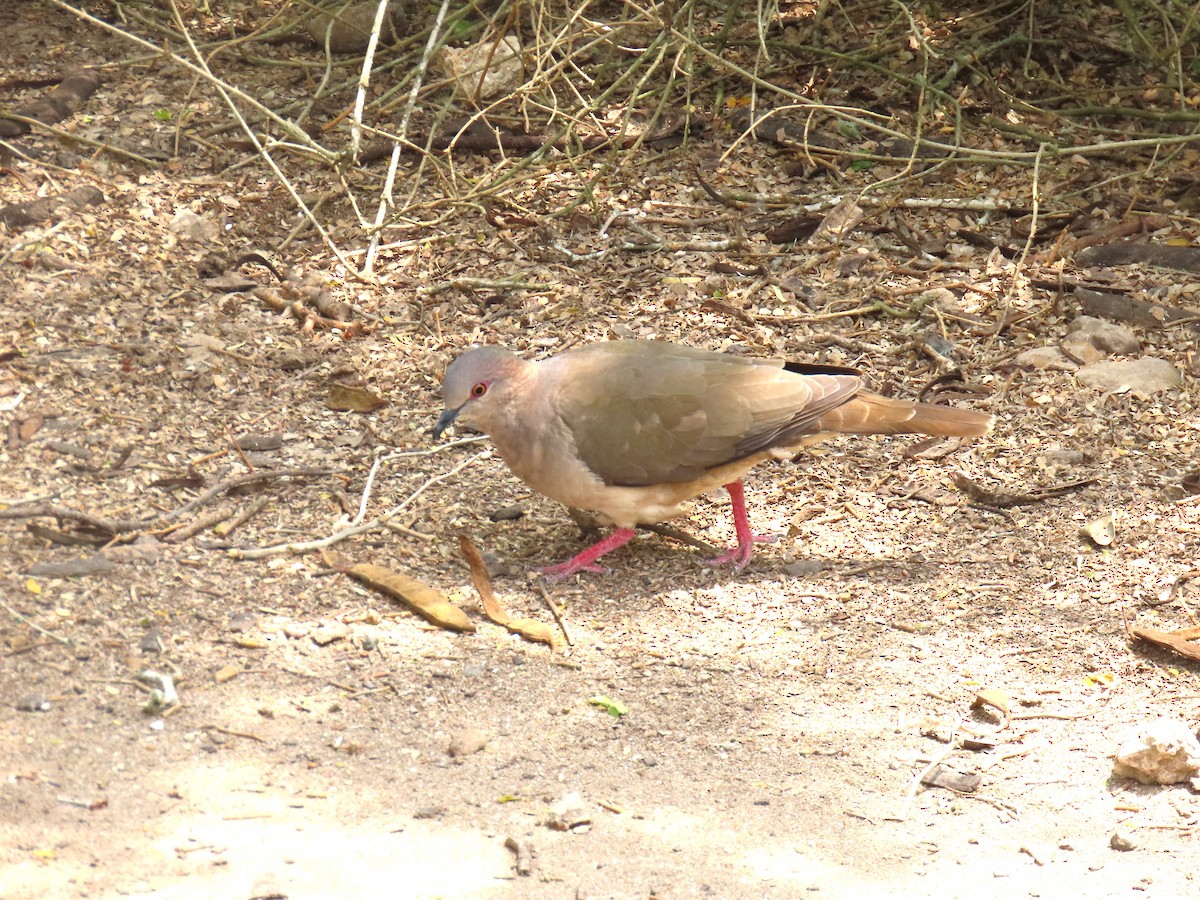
(776, 721)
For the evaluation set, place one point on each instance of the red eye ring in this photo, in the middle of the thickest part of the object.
(479, 390)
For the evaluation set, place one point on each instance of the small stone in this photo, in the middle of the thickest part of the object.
(1123, 842)
(466, 742)
(242, 621)
(226, 673)
(1106, 336)
(1164, 751)
(297, 629)
(33, 703)
(153, 641)
(1045, 358)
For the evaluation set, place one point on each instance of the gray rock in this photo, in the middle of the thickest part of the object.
(1148, 375)
(1106, 336)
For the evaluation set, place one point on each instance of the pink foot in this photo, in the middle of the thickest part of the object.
(740, 555)
(586, 560)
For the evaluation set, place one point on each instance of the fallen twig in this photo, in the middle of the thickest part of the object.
(242, 734)
(337, 537)
(1003, 499)
(237, 481)
(38, 628)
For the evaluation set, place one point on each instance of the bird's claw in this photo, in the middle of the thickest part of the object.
(565, 570)
(739, 556)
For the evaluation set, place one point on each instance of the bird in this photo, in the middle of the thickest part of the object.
(633, 429)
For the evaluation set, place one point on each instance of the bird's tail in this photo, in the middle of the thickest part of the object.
(870, 413)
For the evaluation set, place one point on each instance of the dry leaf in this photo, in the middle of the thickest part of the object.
(353, 398)
(1182, 641)
(429, 602)
(996, 699)
(1101, 532)
(530, 629)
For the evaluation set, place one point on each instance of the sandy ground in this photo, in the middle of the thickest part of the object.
(777, 720)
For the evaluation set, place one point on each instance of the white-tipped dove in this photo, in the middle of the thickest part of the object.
(633, 429)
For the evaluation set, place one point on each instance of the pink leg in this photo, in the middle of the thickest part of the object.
(740, 555)
(586, 561)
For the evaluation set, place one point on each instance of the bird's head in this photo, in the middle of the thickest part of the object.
(474, 386)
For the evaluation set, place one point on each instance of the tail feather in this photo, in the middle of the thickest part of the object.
(870, 413)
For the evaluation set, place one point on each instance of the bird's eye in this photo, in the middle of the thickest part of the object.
(479, 390)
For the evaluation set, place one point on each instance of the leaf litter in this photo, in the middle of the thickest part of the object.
(111, 338)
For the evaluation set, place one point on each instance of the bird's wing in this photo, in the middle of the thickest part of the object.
(643, 412)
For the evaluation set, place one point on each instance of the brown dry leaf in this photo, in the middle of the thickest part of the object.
(530, 629)
(1182, 641)
(429, 602)
(838, 222)
(953, 780)
(30, 427)
(1191, 482)
(353, 398)
(996, 699)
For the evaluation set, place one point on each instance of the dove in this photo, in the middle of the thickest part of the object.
(633, 429)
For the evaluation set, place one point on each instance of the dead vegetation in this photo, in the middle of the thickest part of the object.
(235, 270)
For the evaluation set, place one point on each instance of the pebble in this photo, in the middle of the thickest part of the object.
(1123, 842)
(33, 703)
(1045, 358)
(466, 742)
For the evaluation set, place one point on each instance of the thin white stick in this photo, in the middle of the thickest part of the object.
(337, 537)
(386, 200)
(364, 79)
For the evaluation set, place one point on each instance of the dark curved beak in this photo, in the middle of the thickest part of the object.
(445, 420)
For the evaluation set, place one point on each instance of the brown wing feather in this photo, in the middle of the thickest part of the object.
(870, 413)
(644, 413)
